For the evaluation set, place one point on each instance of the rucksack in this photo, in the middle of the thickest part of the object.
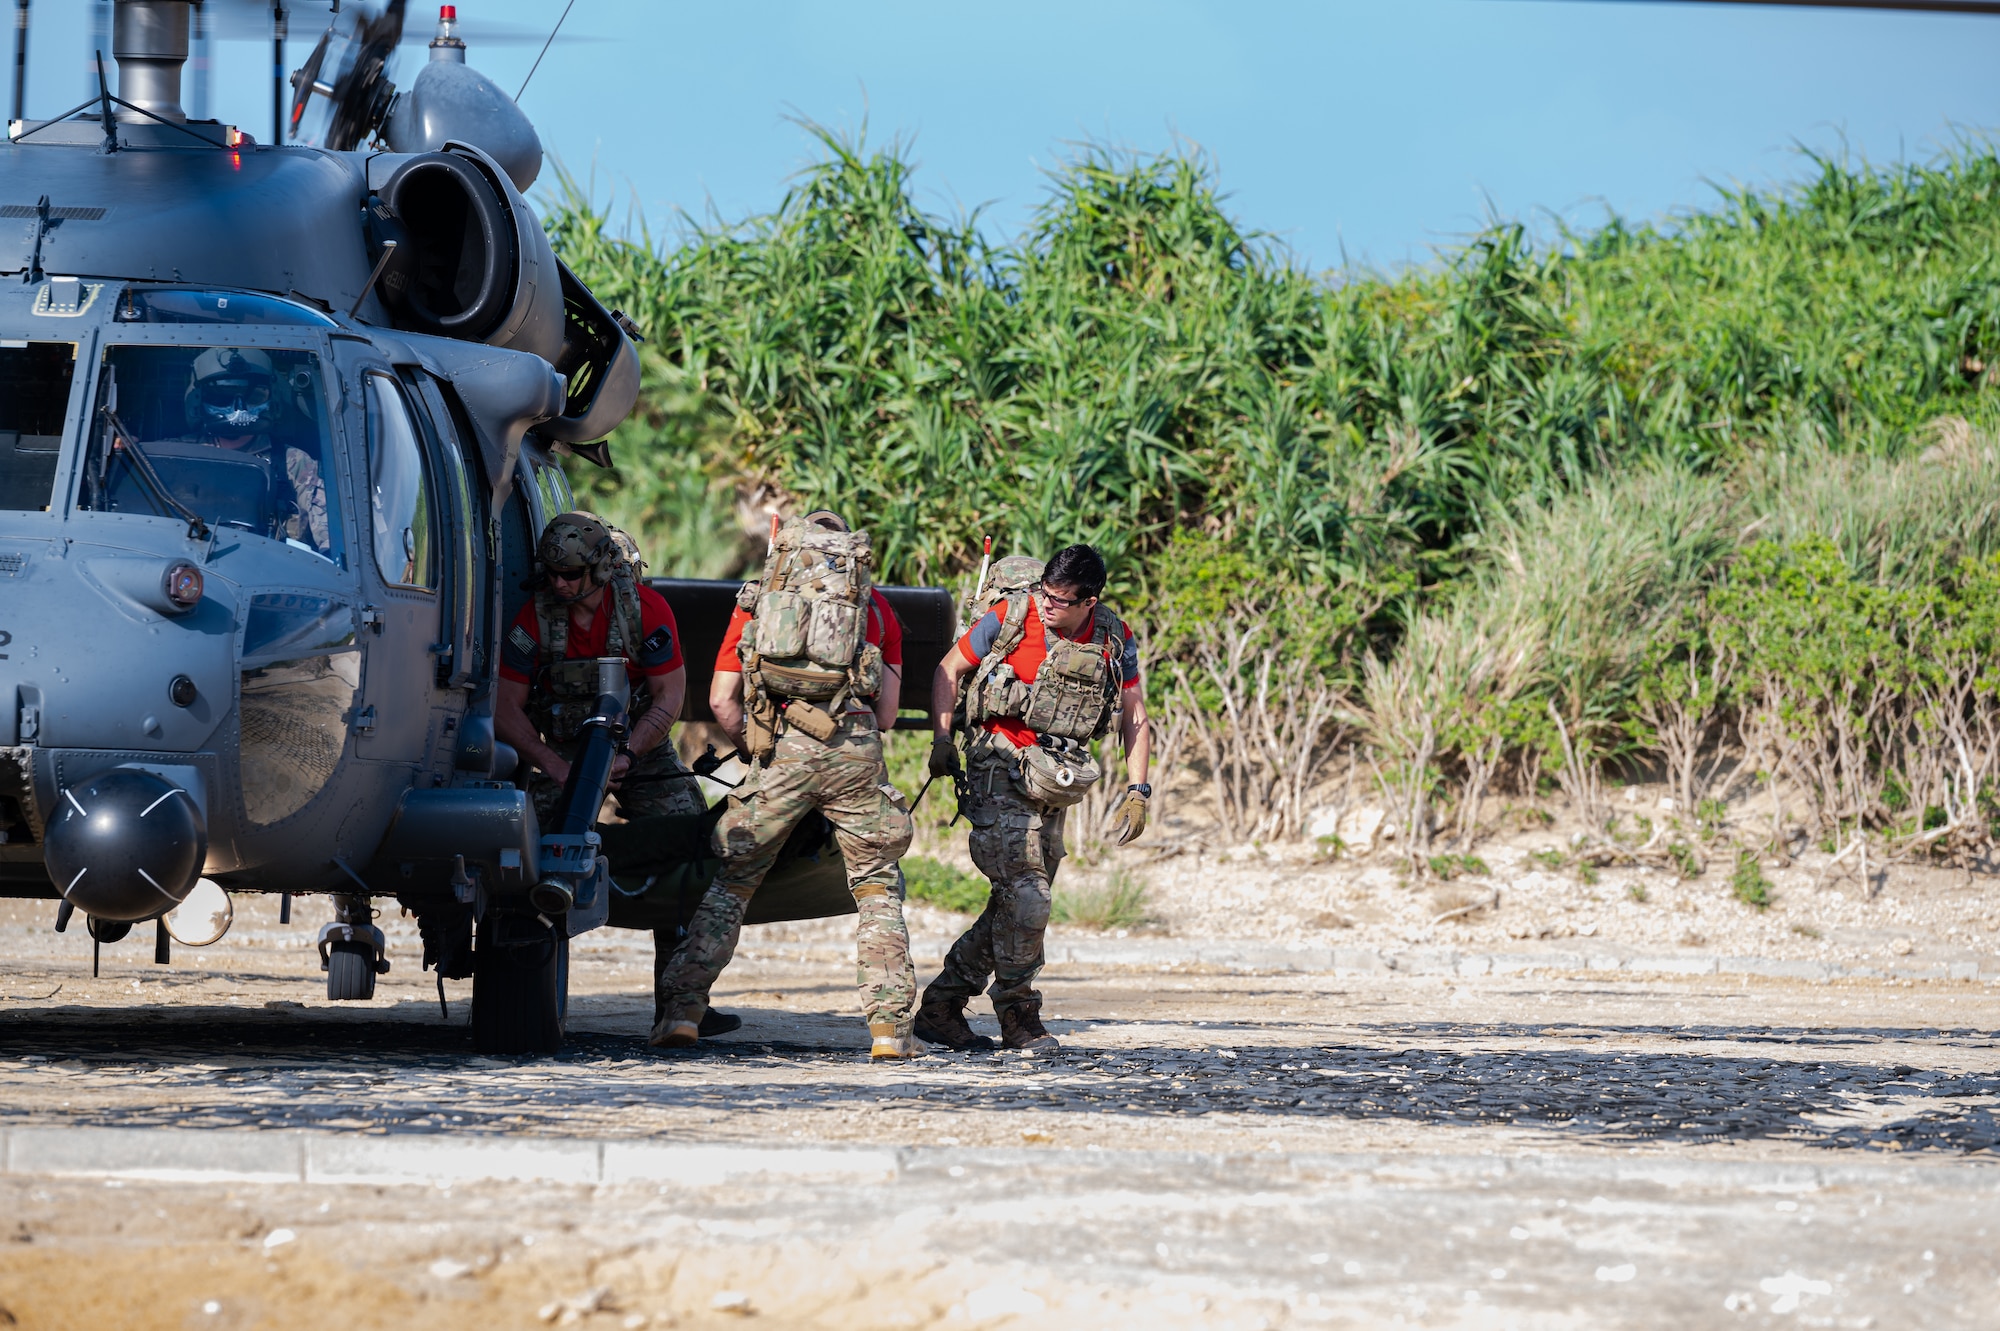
(1008, 589)
(808, 633)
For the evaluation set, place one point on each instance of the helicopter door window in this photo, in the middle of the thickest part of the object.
(556, 497)
(235, 435)
(401, 489)
(34, 398)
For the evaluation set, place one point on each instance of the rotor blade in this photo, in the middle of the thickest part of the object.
(250, 21)
(1885, 6)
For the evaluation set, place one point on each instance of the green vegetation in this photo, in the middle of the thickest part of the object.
(1748, 882)
(1449, 867)
(940, 884)
(1647, 493)
(1118, 902)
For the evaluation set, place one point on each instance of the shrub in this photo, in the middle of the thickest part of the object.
(1747, 881)
(940, 884)
(1118, 902)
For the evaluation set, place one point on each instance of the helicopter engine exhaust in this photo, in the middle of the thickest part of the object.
(126, 845)
(149, 38)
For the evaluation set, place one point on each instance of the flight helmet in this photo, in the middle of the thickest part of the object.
(232, 391)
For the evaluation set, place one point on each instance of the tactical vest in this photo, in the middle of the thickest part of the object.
(1075, 693)
(564, 693)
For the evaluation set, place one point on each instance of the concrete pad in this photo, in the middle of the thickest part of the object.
(1701, 965)
(704, 1166)
(157, 1153)
(1360, 961)
(1775, 968)
(441, 1158)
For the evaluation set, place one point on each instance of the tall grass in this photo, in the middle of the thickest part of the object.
(1471, 512)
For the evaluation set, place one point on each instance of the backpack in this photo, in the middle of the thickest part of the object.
(1007, 589)
(807, 639)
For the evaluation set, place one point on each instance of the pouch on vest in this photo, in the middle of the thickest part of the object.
(1056, 781)
(810, 720)
(571, 688)
(1073, 694)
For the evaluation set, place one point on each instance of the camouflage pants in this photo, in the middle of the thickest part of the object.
(1018, 845)
(846, 781)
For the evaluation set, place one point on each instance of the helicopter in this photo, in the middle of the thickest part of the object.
(280, 424)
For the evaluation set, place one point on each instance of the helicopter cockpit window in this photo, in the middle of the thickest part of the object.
(405, 535)
(34, 398)
(235, 435)
(180, 305)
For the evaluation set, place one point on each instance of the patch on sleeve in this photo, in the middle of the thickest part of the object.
(521, 641)
(659, 644)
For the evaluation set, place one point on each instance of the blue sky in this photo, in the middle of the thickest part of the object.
(1374, 129)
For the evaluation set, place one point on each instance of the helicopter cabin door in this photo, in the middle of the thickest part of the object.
(409, 574)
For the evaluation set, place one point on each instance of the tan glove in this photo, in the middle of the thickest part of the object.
(1130, 818)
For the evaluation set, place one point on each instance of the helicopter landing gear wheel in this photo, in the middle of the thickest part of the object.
(520, 986)
(350, 972)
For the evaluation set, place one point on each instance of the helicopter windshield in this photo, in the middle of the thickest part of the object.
(183, 305)
(237, 435)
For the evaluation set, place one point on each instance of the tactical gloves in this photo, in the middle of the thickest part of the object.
(1130, 818)
(944, 756)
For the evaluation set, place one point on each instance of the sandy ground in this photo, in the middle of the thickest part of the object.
(1527, 886)
(1208, 1150)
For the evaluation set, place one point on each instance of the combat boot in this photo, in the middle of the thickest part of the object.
(671, 1034)
(889, 1039)
(1021, 1028)
(713, 1022)
(942, 1021)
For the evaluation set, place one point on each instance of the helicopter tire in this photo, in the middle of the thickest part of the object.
(520, 988)
(350, 972)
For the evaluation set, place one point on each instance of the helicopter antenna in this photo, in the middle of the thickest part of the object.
(545, 49)
(104, 101)
(278, 71)
(20, 59)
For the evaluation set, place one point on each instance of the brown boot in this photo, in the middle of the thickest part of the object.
(942, 1021)
(1021, 1028)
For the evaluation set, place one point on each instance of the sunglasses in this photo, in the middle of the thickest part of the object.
(568, 574)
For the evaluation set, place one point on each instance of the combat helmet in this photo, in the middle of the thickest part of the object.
(583, 541)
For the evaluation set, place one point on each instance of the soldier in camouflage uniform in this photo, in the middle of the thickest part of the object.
(1050, 671)
(808, 756)
(589, 603)
(233, 402)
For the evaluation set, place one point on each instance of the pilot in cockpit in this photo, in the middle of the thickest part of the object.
(234, 402)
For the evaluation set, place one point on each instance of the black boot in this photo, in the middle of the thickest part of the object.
(718, 1023)
(1021, 1028)
(942, 1021)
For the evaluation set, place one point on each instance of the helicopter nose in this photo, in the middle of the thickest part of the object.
(126, 845)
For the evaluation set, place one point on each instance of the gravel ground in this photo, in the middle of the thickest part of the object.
(1210, 1149)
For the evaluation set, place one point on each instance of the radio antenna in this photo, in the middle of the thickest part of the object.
(545, 49)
